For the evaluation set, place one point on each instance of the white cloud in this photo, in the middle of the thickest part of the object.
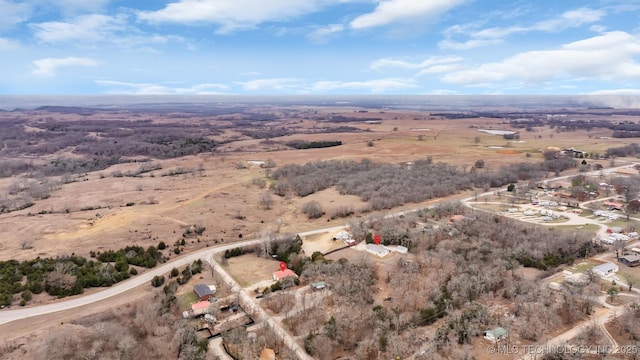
(96, 28)
(323, 34)
(12, 13)
(432, 61)
(270, 84)
(374, 86)
(7, 44)
(390, 11)
(82, 28)
(609, 56)
(569, 19)
(158, 89)
(493, 36)
(230, 15)
(48, 66)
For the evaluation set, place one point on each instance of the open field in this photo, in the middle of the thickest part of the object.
(249, 269)
(91, 213)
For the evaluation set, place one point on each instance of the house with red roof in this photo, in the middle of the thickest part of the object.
(281, 274)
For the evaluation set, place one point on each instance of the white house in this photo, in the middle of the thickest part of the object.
(379, 250)
(605, 269)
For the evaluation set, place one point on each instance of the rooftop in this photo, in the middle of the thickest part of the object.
(281, 274)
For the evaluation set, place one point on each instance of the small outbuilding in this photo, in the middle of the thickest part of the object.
(402, 249)
(319, 285)
(203, 292)
(200, 308)
(630, 260)
(496, 334)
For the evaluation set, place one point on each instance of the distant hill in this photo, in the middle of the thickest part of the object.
(69, 110)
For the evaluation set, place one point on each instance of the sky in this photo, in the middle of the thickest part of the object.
(309, 47)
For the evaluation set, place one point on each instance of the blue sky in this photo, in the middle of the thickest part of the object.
(319, 47)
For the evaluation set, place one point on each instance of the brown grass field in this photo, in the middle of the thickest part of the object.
(222, 191)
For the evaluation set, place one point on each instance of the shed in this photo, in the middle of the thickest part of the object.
(203, 292)
(320, 285)
(630, 260)
(605, 269)
(496, 334)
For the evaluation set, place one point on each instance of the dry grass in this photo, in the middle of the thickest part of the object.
(249, 269)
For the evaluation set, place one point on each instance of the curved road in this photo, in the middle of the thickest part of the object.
(7, 316)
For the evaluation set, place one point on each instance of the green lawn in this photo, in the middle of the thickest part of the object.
(185, 300)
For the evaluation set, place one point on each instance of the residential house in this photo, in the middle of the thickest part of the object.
(203, 292)
(612, 205)
(379, 250)
(605, 269)
(496, 334)
(281, 274)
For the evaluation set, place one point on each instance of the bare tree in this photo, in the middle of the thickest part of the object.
(630, 279)
(266, 200)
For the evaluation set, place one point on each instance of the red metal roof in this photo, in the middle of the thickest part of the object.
(200, 305)
(283, 274)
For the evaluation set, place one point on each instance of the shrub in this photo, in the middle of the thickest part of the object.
(312, 209)
(157, 281)
(26, 295)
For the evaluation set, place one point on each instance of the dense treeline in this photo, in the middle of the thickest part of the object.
(302, 144)
(107, 138)
(386, 186)
(624, 151)
(59, 277)
(272, 132)
(133, 255)
(70, 275)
